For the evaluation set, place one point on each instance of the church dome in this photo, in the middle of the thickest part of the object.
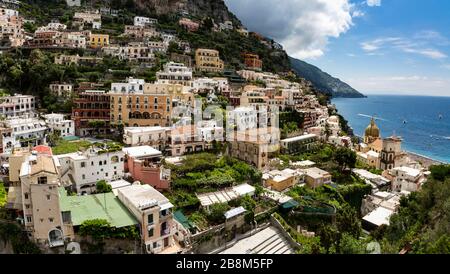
(372, 130)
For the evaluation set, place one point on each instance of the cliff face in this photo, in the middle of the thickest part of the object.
(216, 9)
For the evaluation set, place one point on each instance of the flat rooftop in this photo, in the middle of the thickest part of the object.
(144, 129)
(299, 138)
(142, 195)
(379, 216)
(316, 172)
(225, 195)
(267, 241)
(142, 151)
(99, 206)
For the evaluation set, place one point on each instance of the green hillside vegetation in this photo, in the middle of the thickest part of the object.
(422, 224)
(323, 81)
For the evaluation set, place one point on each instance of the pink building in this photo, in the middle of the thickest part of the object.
(189, 25)
(144, 164)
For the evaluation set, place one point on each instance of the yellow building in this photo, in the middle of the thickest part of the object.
(98, 40)
(255, 145)
(151, 107)
(281, 180)
(208, 60)
(316, 177)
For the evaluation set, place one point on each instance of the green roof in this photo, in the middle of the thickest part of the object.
(290, 204)
(179, 216)
(90, 207)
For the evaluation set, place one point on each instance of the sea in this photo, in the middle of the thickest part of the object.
(423, 122)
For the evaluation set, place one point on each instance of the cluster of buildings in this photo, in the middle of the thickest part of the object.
(11, 28)
(21, 125)
(51, 217)
(155, 122)
(399, 175)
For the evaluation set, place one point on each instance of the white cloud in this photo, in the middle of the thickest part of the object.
(303, 27)
(417, 45)
(358, 13)
(373, 3)
(430, 53)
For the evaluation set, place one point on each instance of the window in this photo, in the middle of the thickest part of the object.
(27, 206)
(150, 219)
(50, 220)
(100, 163)
(106, 174)
(48, 197)
(42, 180)
(28, 219)
(83, 176)
(83, 164)
(26, 195)
(150, 232)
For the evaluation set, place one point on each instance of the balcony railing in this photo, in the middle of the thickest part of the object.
(165, 232)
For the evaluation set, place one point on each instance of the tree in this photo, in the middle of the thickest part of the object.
(103, 187)
(329, 236)
(347, 221)
(217, 213)
(349, 245)
(55, 137)
(346, 158)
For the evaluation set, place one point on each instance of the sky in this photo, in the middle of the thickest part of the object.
(399, 47)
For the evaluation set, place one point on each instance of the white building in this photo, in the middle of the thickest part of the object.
(370, 178)
(405, 179)
(205, 85)
(369, 158)
(73, 3)
(144, 21)
(130, 86)
(57, 123)
(174, 73)
(17, 105)
(293, 97)
(25, 132)
(62, 90)
(379, 207)
(227, 25)
(82, 170)
(342, 141)
(8, 12)
(52, 26)
(153, 136)
(167, 38)
(210, 131)
(244, 118)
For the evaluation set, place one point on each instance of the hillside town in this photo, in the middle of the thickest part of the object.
(197, 157)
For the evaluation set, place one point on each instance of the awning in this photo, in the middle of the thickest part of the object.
(234, 212)
(166, 206)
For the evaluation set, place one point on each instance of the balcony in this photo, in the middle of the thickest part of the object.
(165, 232)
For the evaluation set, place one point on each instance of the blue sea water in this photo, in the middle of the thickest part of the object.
(415, 118)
